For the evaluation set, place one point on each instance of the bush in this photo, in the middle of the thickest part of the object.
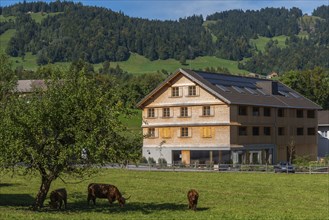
(162, 162)
(302, 160)
(151, 161)
(143, 160)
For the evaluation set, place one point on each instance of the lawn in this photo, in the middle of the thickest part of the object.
(162, 195)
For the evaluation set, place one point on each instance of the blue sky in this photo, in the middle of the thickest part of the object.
(174, 9)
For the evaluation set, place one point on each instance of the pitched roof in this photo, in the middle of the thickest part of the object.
(323, 118)
(24, 86)
(242, 90)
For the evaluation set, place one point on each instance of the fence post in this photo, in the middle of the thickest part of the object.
(309, 169)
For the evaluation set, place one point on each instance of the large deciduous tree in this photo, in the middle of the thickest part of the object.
(66, 127)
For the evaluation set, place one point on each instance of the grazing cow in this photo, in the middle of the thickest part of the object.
(192, 197)
(57, 197)
(108, 191)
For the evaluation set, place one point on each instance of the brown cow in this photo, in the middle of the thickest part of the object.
(108, 191)
(192, 197)
(57, 197)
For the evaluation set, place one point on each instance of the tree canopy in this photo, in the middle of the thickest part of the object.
(67, 127)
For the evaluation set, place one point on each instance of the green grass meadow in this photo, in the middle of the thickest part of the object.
(162, 195)
(261, 42)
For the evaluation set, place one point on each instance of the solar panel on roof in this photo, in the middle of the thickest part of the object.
(261, 91)
(225, 89)
(252, 91)
(294, 94)
(283, 93)
(239, 90)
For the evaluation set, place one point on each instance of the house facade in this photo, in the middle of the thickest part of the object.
(202, 117)
(323, 134)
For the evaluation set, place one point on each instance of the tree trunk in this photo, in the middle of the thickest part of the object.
(41, 196)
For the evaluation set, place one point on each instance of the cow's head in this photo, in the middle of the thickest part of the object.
(122, 200)
(53, 204)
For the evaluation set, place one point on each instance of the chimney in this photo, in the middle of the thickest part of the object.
(270, 86)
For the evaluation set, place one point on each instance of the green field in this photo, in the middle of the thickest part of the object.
(162, 195)
(260, 42)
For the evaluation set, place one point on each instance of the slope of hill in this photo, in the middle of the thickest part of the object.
(61, 32)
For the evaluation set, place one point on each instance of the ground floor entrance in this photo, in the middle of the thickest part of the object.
(247, 154)
(206, 157)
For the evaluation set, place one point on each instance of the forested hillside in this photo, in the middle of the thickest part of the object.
(96, 40)
(97, 34)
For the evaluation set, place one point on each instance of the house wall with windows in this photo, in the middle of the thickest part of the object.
(202, 117)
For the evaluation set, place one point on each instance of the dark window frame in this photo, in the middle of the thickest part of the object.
(243, 110)
(267, 111)
(243, 131)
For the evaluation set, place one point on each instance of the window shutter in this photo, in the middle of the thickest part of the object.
(212, 110)
(161, 133)
(197, 90)
(189, 132)
(180, 91)
(156, 132)
(189, 111)
(179, 132)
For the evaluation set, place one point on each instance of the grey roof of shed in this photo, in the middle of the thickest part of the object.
(26, 86)
(241, 90)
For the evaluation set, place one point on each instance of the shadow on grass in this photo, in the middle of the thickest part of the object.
(145, 208)
(16, 200)
(6, 184)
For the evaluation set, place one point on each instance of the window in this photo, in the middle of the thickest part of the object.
(300, 131)
(166, 112)
(206, 111)
(281, 131)
(243, 131)
(255, 131)
(310, 113)
(150, 113)
(151, 132)
(206, 132)
(267, 111)
(183, 112)
(166, 133)
(299, 113)
(255, 111)
(310, 131)
(175, 91)
(242, 110)
(184, 132)
(192, 90)
(280, 112)
(267, 131)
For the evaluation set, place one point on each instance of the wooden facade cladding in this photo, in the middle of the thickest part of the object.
(191, 113)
